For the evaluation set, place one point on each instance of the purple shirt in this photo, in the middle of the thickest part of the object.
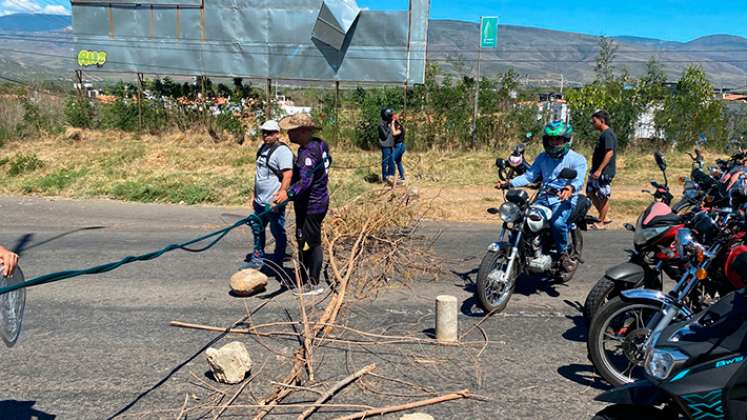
(309, 183)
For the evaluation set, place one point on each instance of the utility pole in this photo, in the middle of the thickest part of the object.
(475, 109)
(140, 84)
(268, 105)
(562, 83)
(337, 111)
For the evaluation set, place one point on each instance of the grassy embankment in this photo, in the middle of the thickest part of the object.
(192, 169)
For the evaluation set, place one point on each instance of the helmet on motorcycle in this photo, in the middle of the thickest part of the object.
(387, 114)
(554, 131)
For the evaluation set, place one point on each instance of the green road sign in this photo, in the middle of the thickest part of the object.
(488, 32)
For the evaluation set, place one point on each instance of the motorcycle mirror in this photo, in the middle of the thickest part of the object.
(500, 163)
(629, 227)
(493, 210)
(660, 161)
(568, 173)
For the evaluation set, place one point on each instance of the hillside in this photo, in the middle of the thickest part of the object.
(545, 54)
(43, 43)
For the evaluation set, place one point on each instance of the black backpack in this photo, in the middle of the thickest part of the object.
(274, 147)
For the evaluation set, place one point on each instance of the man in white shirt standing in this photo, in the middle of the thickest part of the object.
(274, 172)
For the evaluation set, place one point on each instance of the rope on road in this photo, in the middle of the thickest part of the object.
(254, 220)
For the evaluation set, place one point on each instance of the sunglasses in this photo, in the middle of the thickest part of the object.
(268, 133)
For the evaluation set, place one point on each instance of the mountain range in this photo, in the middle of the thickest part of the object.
(40, 46)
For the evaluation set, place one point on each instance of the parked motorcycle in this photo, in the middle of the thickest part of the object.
(654, 231)
(696, 368)
(529, 247)
(621, 333)
(516, 164)
(657, 226)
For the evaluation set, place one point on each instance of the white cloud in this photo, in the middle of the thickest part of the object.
(8, 7)
(56, 10)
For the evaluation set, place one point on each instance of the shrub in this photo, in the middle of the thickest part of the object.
(21, 164)
(79, 112)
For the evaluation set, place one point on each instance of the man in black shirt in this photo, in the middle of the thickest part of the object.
(603, 167)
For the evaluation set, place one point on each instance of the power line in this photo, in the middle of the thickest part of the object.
(98, 38)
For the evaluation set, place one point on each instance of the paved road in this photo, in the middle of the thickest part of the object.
(97, 347)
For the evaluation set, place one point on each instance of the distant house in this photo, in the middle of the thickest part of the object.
(645, 125)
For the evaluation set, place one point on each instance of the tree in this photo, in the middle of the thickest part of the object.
(692, 110)
(651, 89)
(604, 68)
(223, 90)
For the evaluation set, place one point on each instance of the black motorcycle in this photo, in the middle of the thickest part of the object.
(696, 370)
(529, 247)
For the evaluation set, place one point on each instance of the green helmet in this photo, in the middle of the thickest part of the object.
(558, 129)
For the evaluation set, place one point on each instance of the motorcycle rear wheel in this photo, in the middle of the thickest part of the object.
(490, 299)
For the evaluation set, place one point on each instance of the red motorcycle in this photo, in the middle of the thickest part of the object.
(654, 250)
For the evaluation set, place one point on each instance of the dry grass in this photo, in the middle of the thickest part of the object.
(190, 168)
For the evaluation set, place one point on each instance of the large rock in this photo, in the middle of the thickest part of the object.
(230, 363)
(248, 282)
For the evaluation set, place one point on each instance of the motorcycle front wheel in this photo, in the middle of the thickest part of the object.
(616, 338)
(492, 294)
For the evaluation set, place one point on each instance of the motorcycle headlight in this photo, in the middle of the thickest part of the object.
(661, 362)
(510, 212)
(684, 241)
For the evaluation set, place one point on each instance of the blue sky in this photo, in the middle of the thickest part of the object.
(676, 20)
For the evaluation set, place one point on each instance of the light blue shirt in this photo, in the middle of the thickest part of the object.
(549, 169)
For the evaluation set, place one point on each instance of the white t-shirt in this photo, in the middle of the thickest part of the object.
(266, 183)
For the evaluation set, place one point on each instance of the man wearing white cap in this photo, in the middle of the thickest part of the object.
(274, 172)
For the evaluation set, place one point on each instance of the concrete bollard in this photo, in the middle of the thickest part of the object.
(447, 326)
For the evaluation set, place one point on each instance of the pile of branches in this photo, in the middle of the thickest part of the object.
(367, 241)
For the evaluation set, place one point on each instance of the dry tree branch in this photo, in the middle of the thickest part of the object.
(335, 388)
(408, 406)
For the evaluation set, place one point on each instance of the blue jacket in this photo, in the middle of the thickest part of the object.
(549, 169)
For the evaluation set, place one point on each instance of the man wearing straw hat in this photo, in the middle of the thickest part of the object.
(310, 195)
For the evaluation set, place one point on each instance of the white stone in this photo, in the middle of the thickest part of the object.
(416, 416)
(230, 363)
(248, 282)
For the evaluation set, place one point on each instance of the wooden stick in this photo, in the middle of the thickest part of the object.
(335, 388)
(307, 337)
(184, 406)
(401, 407)
(233, 398)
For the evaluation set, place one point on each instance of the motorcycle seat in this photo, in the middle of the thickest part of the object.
(582, 208)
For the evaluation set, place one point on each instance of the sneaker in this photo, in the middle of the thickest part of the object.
(253, 263)
(401, 181)
(309, 289)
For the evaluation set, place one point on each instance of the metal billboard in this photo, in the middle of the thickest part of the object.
(325, 40)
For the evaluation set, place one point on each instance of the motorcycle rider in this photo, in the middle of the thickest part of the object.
(561, 195)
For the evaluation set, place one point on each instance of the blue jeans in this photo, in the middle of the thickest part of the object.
(399, 150)
(387, 162)
(276, 219)
(559, 224)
